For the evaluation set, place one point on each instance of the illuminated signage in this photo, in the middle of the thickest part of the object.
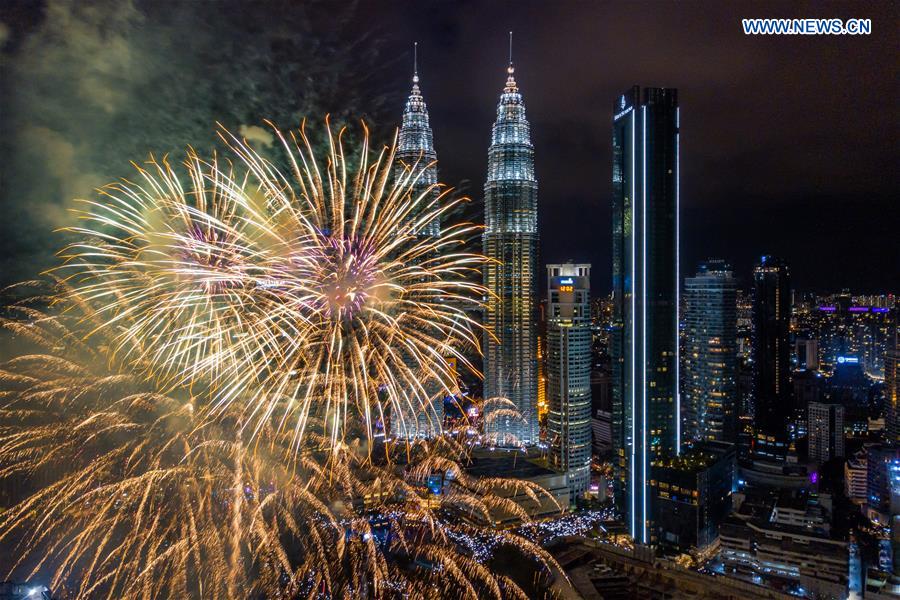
(828, 308)
(858, 309)
(567, 288)
(878, 309)
(848, 360)
(567, 281)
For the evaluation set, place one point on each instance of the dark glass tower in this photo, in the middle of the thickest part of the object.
(644, 343)
(710, 354)
(511, 243)
(771, 359)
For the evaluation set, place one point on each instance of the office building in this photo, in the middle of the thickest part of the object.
(806, 353)
(892, 385)
(569, 372)
(825, 431)
(710, 354)
(692, 495)
(644, 345)
(855, 477)
(773, 411)
(879, 480)
(511, 244)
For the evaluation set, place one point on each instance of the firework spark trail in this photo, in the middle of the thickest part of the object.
(196, 417)
(135, 496)
(314, 291)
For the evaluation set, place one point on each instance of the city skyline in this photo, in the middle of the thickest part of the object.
(724, 186)
(350, 321)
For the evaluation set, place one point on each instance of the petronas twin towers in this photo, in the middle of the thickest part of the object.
(511, 244)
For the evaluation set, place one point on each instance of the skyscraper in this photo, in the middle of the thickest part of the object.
(771, 357)
(710, 353)
(644, 341)
(415, 152)
(511, 243)
(826, 431)
(569, 372)
(892, 383)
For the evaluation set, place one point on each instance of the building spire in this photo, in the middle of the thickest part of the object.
(415, 93)
(510, 70)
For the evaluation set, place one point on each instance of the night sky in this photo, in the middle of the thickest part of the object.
(789, 144)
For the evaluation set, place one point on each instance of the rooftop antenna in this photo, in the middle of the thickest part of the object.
(415, 62)
(510, 48)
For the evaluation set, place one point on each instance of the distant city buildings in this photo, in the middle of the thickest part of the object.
(773, 412)
(510, 241)
(786, 541)
(710, 354)
(644, 345)
(569, 372)
(825, 431)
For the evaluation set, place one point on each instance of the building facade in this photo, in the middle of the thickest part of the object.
(644, 345)
(825, 431)
(417, 158)
(692, 495)
(569, 372)
(710, 354)
(892, 384)
(511, 244)
(771, 359)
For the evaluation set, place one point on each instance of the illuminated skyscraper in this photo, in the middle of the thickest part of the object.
(569, 372)
(511, 243)
(710, 354)
(415, 151)
(770, 389)
(644, 340)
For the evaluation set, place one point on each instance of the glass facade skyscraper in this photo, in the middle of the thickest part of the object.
(416, 155)
(568, 363)
(644, 342)
(415, 151)
(770, 354)
(710, 354)
(511, 243)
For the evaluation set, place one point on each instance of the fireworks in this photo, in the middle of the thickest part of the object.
(195, 413)
(126, 493)
(312, 294)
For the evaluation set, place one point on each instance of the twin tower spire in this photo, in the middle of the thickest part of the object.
(510, 242)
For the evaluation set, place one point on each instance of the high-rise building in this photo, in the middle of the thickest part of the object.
(416, 155)
(892, 384)
(511, 245)
(771, 359)
(644, 343)
(415, 152)
(569, 372)
(825, 431)
(710, 354)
